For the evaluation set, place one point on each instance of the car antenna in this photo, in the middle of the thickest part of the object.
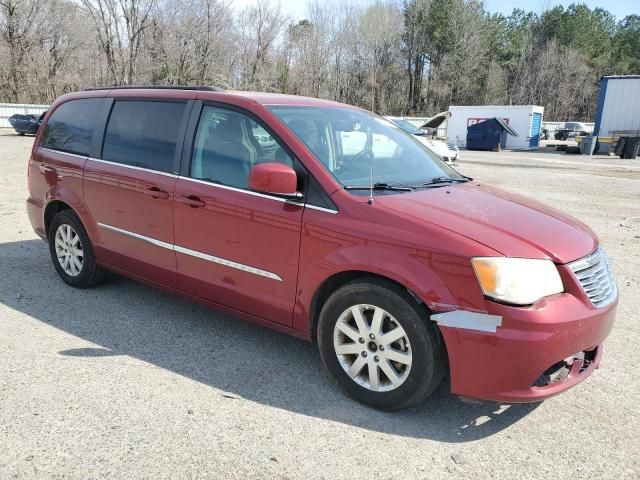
(370, 201)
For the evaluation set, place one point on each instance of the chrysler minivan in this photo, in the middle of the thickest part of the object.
(399, 268)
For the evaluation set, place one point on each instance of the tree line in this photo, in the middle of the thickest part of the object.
(411, 57)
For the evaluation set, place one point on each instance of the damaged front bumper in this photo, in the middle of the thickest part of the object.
(516, 355)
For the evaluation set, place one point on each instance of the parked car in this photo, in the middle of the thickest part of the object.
(24, 124)
(572, 130)
(449, 152)
(401, 270)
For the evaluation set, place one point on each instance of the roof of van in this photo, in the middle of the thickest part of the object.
(212, 92)
(283, 99)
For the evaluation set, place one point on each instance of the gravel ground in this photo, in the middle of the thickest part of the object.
(123, 381)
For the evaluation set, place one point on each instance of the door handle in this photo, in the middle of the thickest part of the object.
(192, 200)
(155, 192)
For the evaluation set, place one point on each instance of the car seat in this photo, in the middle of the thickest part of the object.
(228, 154)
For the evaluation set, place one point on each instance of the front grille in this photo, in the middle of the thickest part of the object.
(596, 277)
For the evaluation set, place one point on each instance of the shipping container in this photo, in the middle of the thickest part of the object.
(618, 109)
(526, 120)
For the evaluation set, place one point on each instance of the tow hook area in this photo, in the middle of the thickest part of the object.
(572, 365)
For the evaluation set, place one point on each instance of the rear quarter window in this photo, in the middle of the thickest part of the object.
(70, 127)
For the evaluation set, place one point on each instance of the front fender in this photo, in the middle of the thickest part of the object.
(434, 265)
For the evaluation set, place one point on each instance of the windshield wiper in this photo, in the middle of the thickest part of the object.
(441, 180)
(379, 186)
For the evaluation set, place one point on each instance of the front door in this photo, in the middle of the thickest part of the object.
(233, 246)
(129, 189)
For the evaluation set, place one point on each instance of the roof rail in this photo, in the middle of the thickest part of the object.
(157, 87)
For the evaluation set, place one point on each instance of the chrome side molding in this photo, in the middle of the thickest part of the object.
(193, 253)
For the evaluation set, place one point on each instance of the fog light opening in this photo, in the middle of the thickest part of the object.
(559, 371)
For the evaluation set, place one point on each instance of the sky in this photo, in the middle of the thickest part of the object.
(620, 8)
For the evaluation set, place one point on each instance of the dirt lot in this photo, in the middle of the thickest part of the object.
(123, 381)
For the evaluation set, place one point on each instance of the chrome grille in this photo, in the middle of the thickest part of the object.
(596, 277)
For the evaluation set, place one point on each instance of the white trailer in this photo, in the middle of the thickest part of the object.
(526, 120)
(618, 109)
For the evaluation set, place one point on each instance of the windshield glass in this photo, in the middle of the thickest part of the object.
(350, 142)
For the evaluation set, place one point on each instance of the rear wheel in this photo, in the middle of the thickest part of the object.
(72, 253)
(379, 345)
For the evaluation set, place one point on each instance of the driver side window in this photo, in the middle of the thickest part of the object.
(228, 144)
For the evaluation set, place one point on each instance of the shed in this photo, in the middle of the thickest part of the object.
(488, 134)
(618, 108)
(525, 120)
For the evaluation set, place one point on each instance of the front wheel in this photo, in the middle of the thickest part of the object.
(379, 345)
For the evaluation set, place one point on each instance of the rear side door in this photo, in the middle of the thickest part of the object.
(129, 187)
(235, 247)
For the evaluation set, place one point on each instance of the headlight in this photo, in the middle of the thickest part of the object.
(520, 281)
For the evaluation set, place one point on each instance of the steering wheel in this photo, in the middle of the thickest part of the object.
(368, 154)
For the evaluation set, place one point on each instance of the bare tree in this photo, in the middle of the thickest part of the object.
(190, 41)
(307, 52)
(16, 29)
(260, 26)
(381, 28)
(61, 50)
(414, 37)
(419, 56)
(120, 25)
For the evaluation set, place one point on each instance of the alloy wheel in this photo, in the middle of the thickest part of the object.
(372, 348)
(69, 250)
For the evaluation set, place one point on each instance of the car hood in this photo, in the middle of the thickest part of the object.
(508, 223)
(436, 120)
(440, 148)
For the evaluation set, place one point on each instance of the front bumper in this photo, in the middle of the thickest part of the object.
(518, 363)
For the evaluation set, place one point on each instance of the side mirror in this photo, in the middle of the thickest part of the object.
(274, 178)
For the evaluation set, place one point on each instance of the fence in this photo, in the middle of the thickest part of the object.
(8, 109)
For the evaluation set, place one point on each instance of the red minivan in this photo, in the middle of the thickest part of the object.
(326, 222)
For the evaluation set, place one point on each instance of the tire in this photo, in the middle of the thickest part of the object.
(421, 363)
(21, 134)
(69, 239)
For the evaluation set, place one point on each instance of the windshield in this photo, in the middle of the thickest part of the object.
(351, 143)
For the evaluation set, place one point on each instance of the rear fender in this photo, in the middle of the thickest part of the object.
(69, 197)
